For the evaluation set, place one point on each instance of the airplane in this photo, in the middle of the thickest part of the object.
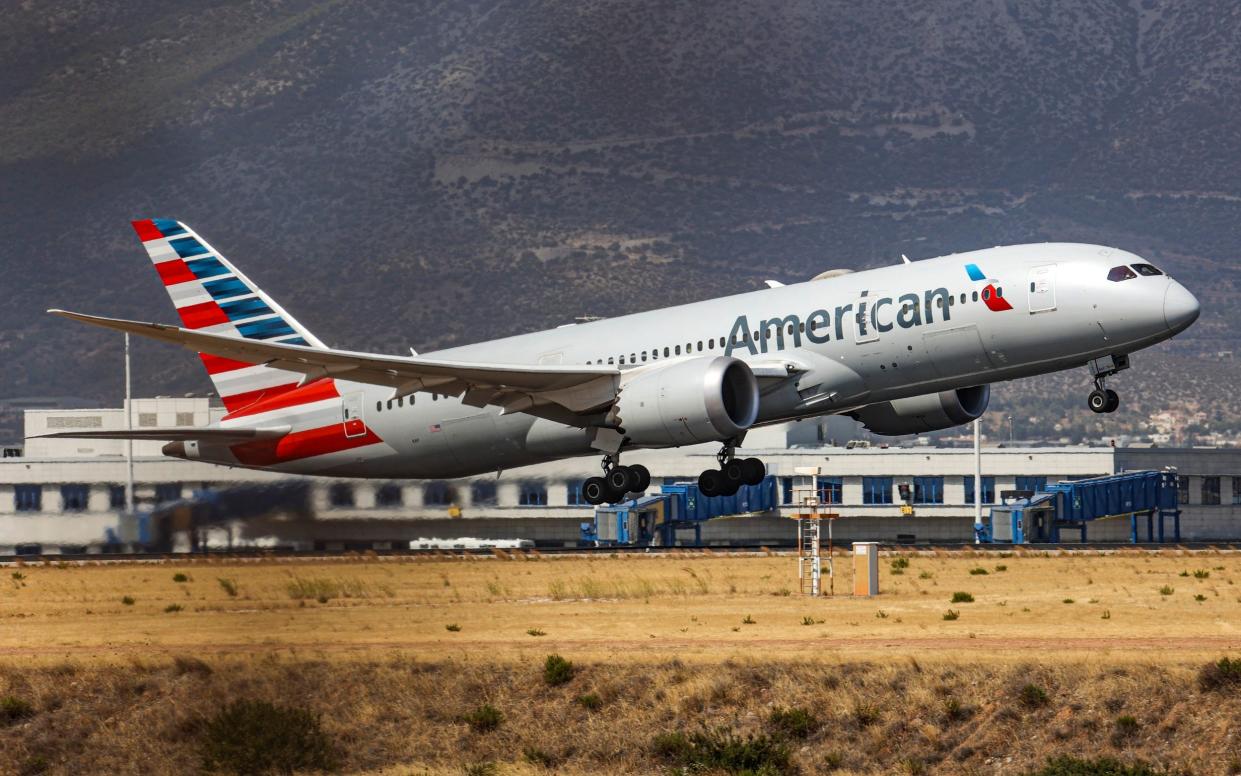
(904, 349)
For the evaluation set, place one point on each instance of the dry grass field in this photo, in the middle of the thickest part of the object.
(685, 662)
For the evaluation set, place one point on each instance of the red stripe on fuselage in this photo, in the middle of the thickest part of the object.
(280, 397)
(217, 364)
(198, 316)
(302, 444)
(174, 272)
(146, 230)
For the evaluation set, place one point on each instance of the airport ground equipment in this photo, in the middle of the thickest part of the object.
(1040, 516)
(866, 568)
(811, 518)
(654, 520)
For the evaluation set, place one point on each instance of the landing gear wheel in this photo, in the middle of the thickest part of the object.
(1098, 400)
(643, 477)
(752, 471)
(1113, 401)
(730, 487)
(734, 474)
(710, 482)
(595, 491)
(620, 479)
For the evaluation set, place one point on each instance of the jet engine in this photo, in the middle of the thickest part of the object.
(929, 412)
(706, 399)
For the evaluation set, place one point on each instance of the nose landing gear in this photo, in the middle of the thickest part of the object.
(617, 481)
(1103, 399)
(732, 474)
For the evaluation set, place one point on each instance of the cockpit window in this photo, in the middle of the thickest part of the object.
(1117, 274)
(1147, 269)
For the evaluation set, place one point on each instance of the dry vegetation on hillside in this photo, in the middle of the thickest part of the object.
(694, 661)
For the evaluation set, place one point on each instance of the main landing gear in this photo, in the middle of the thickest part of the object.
(1103, 399)
(732, 474)
(616, 482)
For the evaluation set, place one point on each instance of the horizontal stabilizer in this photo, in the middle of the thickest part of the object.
(184, 434)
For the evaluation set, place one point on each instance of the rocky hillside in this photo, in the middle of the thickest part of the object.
(428, 174)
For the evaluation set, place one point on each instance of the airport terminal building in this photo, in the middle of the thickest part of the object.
(66, 494)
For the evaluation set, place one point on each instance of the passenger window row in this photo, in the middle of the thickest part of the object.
(400, 402)
(669, 352)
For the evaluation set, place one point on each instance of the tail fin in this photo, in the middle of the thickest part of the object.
(212, 295)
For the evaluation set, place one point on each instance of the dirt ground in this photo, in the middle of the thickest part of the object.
(700, 607)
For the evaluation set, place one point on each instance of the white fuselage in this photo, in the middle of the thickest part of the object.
(851, 340)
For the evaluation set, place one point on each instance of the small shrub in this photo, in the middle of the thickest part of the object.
(926, 575)
(1033, 696)
(1183, 574)
(955, 711)
(452, 627)
(961, 597)
(793, 722)
(128, 600)
(1126, 727)
(1001, 567)
(248, 737)
(723, 750)
(978, 572)
(173, 608)
(865, 714)
(1224, 674)
(748, 620)
(1068, 601)
(229, 586)
(1167, 590)
(481, 769)
(34, 765)
(187, 664)
(484, 719)
(557, 670)
(179, 577)
(535, 632)
(952, 614)
(881, 615)
(808, 620)
(590, 701)
(18, 576)
(14, 709)
(1202, 574)
(900, 563)
(833, 760)
(1107, 614)
(536, 756)
(783, 592)
(1200, 597)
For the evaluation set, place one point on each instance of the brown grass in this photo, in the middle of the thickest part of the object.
(659, 640)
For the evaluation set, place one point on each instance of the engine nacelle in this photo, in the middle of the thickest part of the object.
(929, 412)
(707, 399)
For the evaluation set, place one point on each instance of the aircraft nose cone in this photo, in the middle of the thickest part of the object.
(1180, 308)
(174, 450)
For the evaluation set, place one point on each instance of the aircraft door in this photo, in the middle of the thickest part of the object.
(351, 408)
(1043, 288)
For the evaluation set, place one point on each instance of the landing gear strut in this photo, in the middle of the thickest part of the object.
(732, 474)
(616, 482)
(1103, 399)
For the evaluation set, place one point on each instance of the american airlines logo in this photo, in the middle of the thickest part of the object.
(865, 319)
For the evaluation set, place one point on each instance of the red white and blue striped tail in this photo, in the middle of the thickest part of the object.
(212, 295)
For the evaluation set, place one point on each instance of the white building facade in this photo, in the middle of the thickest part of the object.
(70, 493)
